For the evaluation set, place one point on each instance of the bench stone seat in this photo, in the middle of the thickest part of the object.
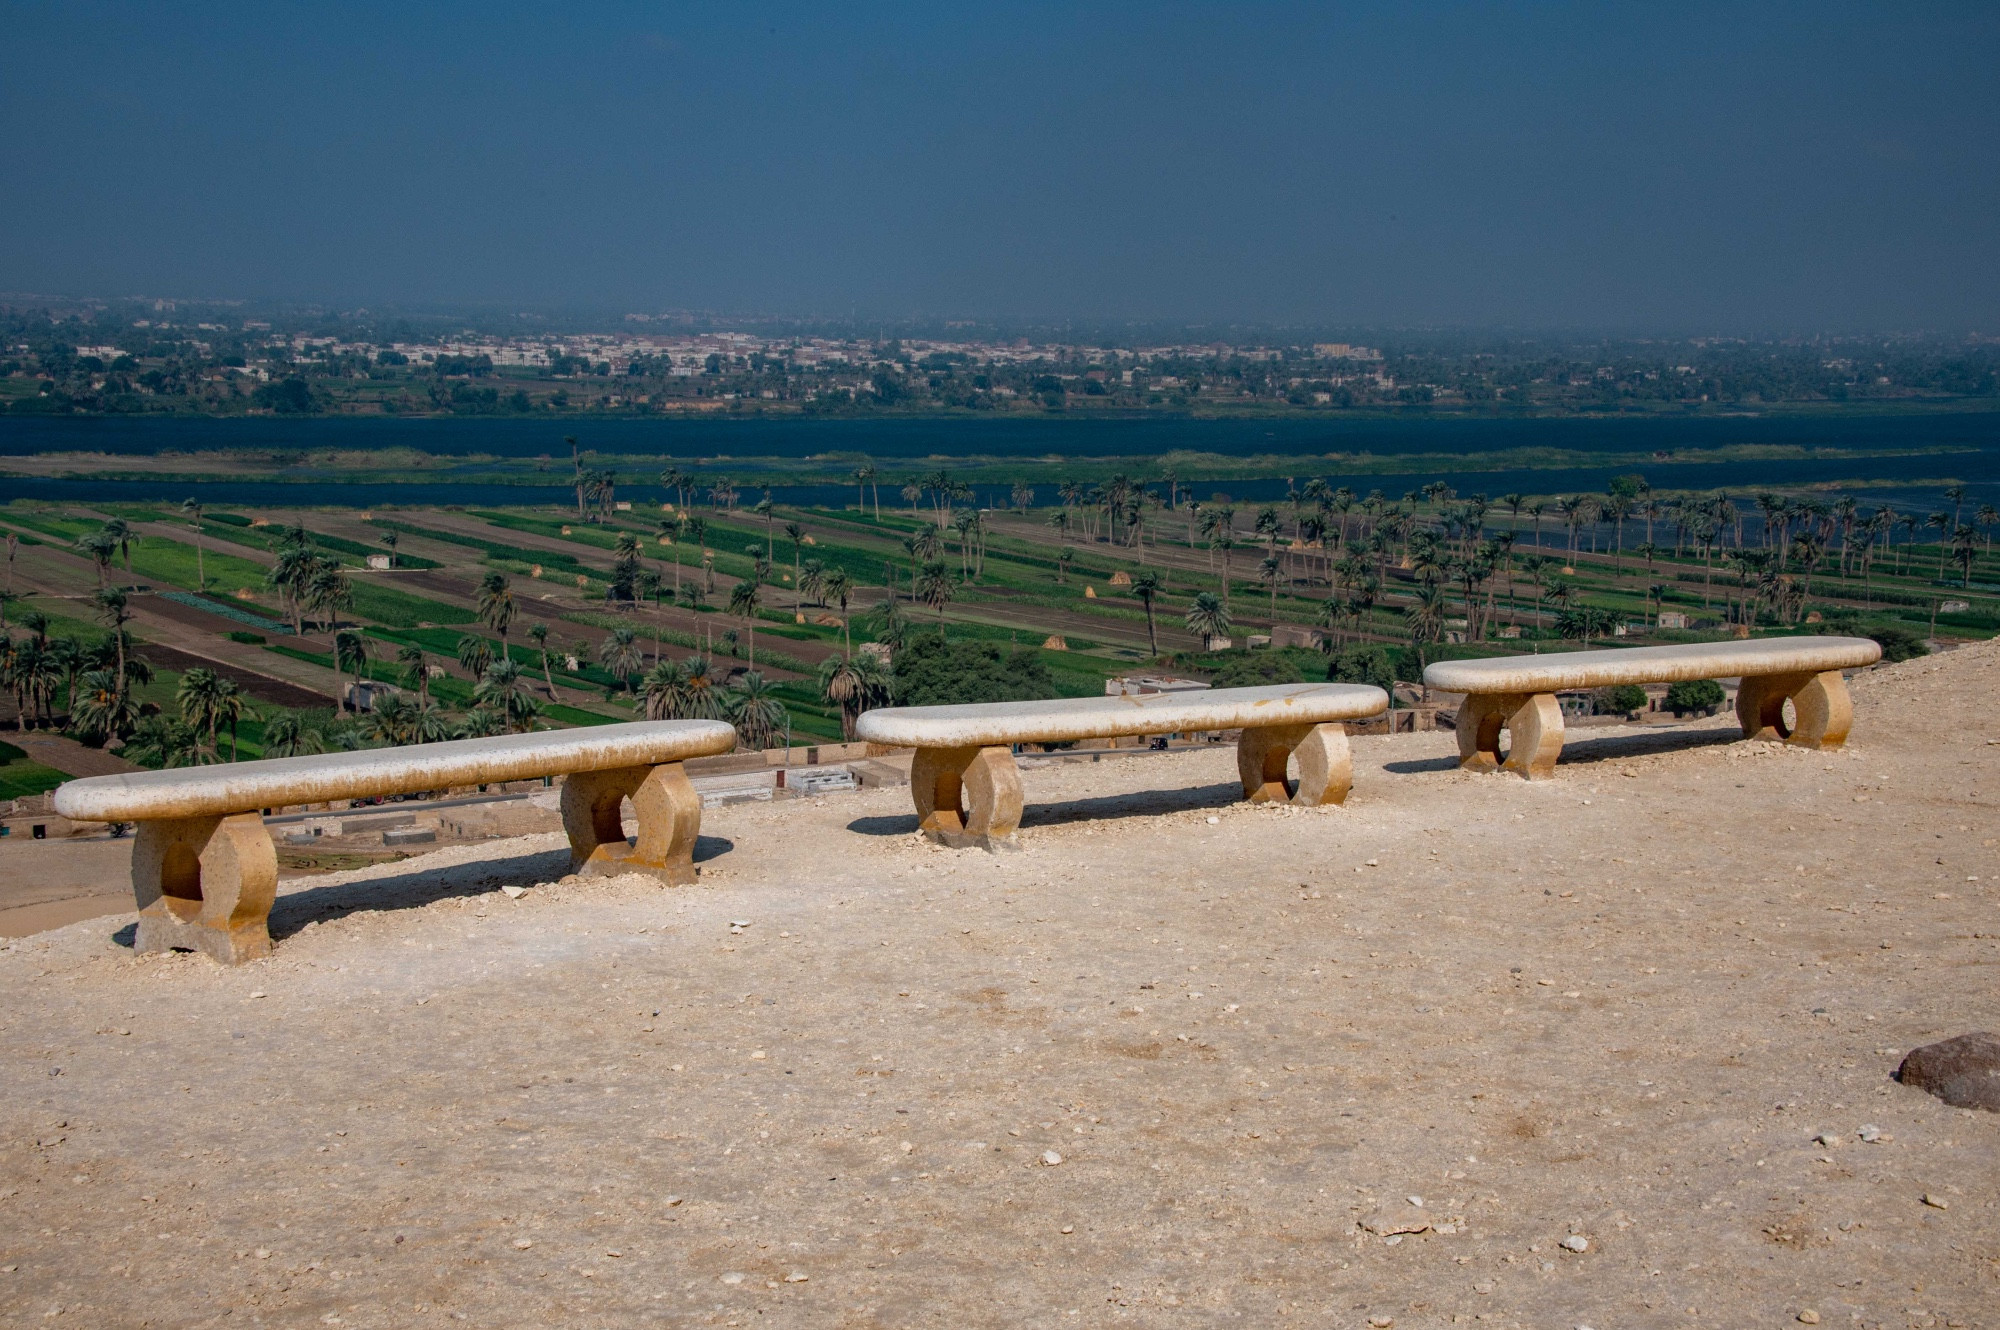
(1517, 693)
(205, 873)
(967, 787)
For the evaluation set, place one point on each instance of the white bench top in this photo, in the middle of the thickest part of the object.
(241, 787)
(1063, 719)
(1671, 664)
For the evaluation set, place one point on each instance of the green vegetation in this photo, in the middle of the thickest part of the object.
(1693, 696)
(930, 671)
(21, 776)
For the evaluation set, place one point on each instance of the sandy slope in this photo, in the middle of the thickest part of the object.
(1617, 1005)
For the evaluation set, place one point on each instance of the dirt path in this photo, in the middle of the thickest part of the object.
(1619, 1006)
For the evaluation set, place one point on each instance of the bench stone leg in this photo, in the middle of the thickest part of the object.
(1822, 710)
(669, 821)
(1326, 765)
(967, 797)
(205, 884)
(1534, 720)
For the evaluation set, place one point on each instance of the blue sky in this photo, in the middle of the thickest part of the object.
(1744, 167)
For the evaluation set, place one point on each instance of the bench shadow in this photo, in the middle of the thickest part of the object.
(1140, 803)
(1606, 749)
(420, 886)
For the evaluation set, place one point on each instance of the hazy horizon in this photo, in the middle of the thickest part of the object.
(1539, 168)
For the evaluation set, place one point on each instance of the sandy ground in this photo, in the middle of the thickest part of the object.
(1617, 1007)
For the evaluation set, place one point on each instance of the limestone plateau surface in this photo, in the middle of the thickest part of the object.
(1594, 1050)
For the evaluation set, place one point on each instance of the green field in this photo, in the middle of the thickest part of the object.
(21, 776)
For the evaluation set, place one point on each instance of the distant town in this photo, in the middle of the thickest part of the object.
(67, 358)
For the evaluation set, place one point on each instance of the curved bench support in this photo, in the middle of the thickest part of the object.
(1534, 722)
(1822, 709)
(1326, 765)
(205, 884)
(669, 813)
(967, 797)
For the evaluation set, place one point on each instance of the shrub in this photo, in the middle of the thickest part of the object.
(247, 639)
(1363, 663)
(1620, 700)
(932, 672)
(1249, 669)
(1898, 644)
(1703, 695)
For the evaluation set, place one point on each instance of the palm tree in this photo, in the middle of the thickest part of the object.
(102, 548)
(199, 701)
(700, 696)
(289, 574)
(620, 653)
(934, 588)
(292, 733)
(1425, 617)
(474, 655)
(192, 507)
(576, 471)
(1271, 569)
(391, 539)
(390, 721)
(743, 602)
(480, 723)
(103, 707)
(854, 685)
(1146, 586)
(662, 687)
(538, 633)
(350, 653)
(866, 475)
(1943, 523)
(812, 582)
(162, 741)
(495, 607)
(1207, 618)
(124, 537)
(329, 591)
(837, 589)
(111, 607)
(501, 691)
(756, 713)
(797, 535)
(232, 708)
(1964, 549)
(416, 670)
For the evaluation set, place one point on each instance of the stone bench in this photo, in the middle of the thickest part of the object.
(1518, 693)
(205, 872)
(968, 790)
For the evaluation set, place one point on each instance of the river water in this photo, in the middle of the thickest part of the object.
(1910, 474)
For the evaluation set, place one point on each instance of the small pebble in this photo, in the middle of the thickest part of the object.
(1936, 1202)
(1808, 1317)
(1575, 1242)
(1051, 1158)
(522, 1244)
(1870, 1133)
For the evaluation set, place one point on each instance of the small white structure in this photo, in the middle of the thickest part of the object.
(380, 562)
(364, 695)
